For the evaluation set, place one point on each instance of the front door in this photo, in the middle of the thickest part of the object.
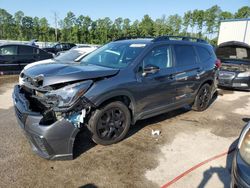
(8, 60)
(156, 90)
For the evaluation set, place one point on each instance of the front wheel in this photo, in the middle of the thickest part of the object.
(110, 124)
(202, 99)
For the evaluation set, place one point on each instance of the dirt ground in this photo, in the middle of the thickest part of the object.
(141, 160)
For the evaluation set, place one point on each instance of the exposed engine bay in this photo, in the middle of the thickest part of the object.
(235, 67)
(39, 102)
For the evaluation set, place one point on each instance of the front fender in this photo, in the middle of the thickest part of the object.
(101, 98)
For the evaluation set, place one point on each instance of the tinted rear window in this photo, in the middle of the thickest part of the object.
(43, 53)
(233, 52)
(203, 53)
(26, 50)
(185, 55)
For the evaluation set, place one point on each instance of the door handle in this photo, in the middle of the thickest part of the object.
(199, 73)
(199, 69)
(171, 76)
(162, 78)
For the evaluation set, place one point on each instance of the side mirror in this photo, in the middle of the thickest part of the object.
(150, 69)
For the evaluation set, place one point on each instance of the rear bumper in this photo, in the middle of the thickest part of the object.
(240, 172)
(235, 82)
(53, 141)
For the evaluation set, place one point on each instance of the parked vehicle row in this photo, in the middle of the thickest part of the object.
(58, 47)
(14, 57)
(71, 56)
(113, 87)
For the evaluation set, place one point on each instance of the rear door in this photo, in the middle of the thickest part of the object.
(188, 70)
(26, 55)
(43, 55)
(8, 59)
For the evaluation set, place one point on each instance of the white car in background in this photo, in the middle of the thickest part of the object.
(73, 55)
(78, 52)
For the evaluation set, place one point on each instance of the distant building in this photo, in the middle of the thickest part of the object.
(235, 30)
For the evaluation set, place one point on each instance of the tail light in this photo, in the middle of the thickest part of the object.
(218, 63)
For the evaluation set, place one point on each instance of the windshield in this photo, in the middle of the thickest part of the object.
(70, 55)
(114, 55)
(233, 52)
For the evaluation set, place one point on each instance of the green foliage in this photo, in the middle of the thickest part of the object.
(82, 29)
(146, 26)
(243, 12)
(226, 15)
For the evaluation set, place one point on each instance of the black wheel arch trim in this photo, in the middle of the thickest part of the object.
(112, 94)
(206, 81)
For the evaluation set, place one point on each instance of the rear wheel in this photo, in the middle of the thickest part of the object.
(202, 99)
(110, 124)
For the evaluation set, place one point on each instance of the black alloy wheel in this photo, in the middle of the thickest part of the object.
(203, 98)
(110, 124)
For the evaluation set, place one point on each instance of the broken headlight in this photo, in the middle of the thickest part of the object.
(66, 96)
(244, 144)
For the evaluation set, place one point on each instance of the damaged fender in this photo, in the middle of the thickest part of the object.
(53, 141)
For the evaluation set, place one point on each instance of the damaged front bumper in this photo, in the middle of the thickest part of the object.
(53, 141)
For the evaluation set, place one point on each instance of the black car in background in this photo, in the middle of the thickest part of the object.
(235, 70)
(110, 89)
(14, 57)
(241, 162)
(59, 47)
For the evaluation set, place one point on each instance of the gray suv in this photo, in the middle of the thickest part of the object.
(111, 89)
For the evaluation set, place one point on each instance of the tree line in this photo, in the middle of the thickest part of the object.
(82, 29)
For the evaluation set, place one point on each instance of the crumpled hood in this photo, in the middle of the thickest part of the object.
(55, 73)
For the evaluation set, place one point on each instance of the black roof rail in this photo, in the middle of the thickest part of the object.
(135, 37)
(173, 37)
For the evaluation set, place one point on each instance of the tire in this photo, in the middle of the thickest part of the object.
(203, 98)
(110, 123)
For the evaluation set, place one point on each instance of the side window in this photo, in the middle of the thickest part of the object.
(23, 50)
(58, 46)
(66, 46)
(185, 55)
(203, 53)
(41, 52)
(159, 56)
(8, 50)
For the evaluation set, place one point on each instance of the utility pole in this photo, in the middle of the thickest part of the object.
(56, 22)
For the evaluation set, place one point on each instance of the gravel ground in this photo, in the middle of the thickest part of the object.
(141, 160)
